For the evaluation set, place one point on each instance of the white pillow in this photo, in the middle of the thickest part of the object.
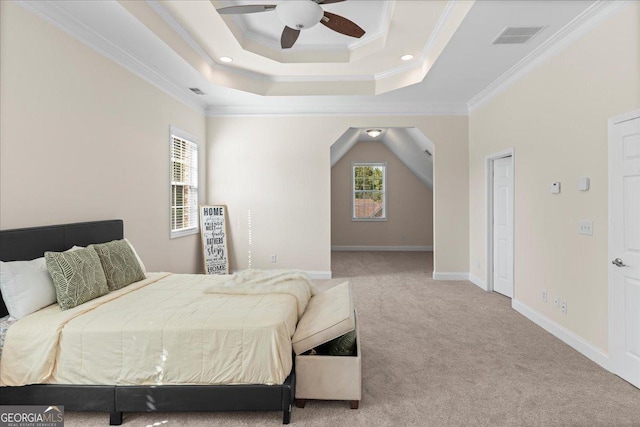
(144, 269)
(26, 286)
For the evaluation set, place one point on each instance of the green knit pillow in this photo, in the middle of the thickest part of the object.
(119, 262)
(344, 345)
(77, 276)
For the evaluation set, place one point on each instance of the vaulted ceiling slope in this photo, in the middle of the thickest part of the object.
(409, 145)
(177, 45)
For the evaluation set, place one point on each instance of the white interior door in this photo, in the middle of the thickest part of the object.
(624, 249)
(503, 226)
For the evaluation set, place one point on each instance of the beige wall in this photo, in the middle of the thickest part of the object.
(278, 168)
(68, 113)
(84, 139)
(556, 118)
(409, 203)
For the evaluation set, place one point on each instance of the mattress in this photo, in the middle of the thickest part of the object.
(167, 329)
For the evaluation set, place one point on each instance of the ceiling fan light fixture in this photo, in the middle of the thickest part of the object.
(299, 15)
(226, 59)
(374, 133)
(407, 57)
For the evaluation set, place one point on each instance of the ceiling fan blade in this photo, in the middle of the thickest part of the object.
(342, 25)
(330, 1)
(289, 37)
(231, 10)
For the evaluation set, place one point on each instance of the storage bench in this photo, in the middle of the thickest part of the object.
(329, 315)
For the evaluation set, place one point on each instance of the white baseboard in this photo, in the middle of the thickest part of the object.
(450, 276)
(363, 248)
(563, 334)
(319, 275)
(478, 282)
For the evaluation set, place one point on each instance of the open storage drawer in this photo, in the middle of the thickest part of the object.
(329, 315)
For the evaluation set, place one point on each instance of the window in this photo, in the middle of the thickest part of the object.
(369, 192)
(184, 183)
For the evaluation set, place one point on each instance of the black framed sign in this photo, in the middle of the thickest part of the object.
(213, 231)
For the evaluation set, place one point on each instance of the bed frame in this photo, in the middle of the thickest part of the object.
(31, 243)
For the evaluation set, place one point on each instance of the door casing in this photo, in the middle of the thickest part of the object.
(488, 197)
(612, 249)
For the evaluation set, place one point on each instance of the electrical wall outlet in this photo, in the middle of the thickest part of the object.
(564, 307)
(556, 302)
(544, 295)
(274, 258)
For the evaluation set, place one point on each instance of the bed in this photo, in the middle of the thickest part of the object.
(129, 396)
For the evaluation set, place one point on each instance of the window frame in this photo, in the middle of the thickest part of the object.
(383, 191)
(175, 132)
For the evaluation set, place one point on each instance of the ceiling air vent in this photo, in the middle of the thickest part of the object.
(517, 35)
(196, 91)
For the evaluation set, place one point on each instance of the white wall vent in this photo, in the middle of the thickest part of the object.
(196, 91)
(516, 35)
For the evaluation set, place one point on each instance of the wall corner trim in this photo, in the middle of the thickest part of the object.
(450, 276)
(478, 282)
(563, 334)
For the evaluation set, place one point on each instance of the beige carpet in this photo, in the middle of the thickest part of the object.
(442, 354)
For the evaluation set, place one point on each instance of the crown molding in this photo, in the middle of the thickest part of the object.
(574, 30)
(166, 16)
(184, 34)
(57, 16)
(311, 78)
(444, 16)
(340, 110)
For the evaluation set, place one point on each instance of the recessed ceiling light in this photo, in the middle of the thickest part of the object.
(226, 59)
(406, 57)
(373, 133)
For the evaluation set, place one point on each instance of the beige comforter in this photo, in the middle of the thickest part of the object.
(167, 329)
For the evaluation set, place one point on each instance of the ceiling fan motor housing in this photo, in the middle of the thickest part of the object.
(299, 15)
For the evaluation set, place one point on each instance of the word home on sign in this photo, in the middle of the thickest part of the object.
(214, 239)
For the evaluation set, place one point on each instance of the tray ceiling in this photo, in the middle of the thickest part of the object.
(177, 45)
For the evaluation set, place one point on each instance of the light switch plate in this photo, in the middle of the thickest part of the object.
(585, 227)
(583, 183)
(555, 187)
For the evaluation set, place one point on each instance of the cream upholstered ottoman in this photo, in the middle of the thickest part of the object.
(329, 315)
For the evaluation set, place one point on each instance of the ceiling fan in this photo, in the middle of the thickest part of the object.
(300, 15)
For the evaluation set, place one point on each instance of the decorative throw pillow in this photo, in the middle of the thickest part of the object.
(344, 345)
(77, 276)
(119, 262)
(26, 287)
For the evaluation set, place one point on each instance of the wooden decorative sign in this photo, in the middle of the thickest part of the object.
(213, 231)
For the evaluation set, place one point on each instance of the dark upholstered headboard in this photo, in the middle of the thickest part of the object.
(22, 244)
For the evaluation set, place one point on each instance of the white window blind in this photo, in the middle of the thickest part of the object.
(369, 192)
(184, 184)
